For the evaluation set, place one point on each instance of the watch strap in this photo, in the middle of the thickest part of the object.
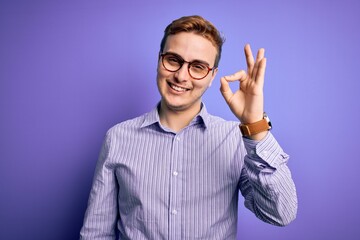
(256, 127)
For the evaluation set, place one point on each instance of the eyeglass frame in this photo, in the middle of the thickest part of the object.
(161, 55)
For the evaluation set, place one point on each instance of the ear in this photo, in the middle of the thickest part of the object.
(214, 72)
(158, 63)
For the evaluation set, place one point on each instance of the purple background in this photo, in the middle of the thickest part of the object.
(69, 70)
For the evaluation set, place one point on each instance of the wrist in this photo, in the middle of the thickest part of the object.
(258, 137)
(251, 118)
(256, 130)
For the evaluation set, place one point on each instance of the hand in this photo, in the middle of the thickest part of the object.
(247, 103)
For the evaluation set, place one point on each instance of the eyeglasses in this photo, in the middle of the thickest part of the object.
(173, 62)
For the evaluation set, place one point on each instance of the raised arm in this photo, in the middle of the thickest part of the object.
(265, 182)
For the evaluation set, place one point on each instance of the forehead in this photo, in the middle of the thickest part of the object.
(191, 46)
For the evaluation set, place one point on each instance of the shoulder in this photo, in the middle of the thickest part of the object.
(216, 121)
(220, 127)
(129, 125)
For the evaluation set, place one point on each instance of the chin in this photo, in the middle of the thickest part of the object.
(175, 106)
(180, 106)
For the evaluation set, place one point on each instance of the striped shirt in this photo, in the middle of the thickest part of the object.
(153, 183)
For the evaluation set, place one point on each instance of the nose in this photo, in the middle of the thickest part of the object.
(183, 74)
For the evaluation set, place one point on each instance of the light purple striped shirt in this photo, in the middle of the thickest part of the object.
(153, 183)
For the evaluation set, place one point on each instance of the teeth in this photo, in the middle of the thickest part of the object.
(176, 88)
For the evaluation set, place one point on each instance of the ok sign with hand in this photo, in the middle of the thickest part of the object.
(247, 103)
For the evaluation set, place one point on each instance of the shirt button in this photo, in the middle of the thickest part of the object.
(174, 212)
(177, 138)
(175, 173)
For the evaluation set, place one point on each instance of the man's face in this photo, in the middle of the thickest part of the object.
(179, 91)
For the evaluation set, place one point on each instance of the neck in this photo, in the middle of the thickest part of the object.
(176, 120)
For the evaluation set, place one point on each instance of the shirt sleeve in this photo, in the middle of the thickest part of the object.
(101, 214)
(266, 182)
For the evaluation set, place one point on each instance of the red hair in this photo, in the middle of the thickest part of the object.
(195, 24)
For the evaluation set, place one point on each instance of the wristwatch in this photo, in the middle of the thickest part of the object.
(256, 127)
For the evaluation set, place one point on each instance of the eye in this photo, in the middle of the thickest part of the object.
(199, 67)
(173, 59)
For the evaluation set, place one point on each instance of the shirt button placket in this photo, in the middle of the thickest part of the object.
(175, 189)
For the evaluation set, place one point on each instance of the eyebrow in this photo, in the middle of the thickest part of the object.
(196, 60)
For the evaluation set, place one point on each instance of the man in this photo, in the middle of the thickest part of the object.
(176, 172)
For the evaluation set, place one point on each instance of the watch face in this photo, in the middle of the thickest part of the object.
(266, 117)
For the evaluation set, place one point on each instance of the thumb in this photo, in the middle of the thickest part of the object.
(225, 89)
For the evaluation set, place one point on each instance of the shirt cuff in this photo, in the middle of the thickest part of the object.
(266, 149)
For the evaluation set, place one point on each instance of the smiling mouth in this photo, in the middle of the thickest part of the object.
(177, 88)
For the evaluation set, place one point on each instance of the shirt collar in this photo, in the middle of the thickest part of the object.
(153, 117)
